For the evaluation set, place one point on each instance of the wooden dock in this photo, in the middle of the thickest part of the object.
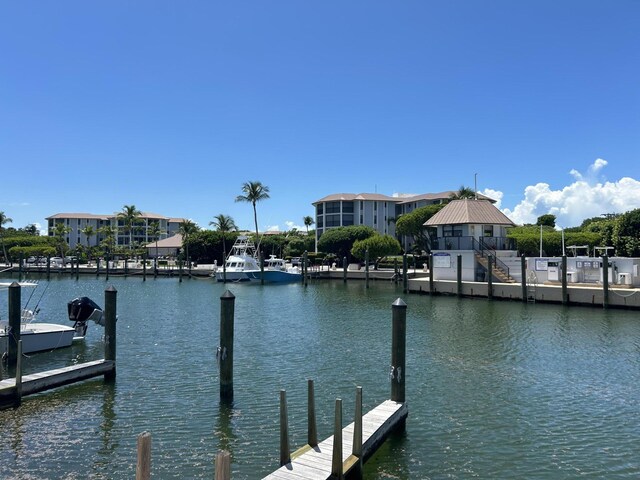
(315, 463)
(39, 382)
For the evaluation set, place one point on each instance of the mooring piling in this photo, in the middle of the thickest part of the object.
(523, 269)
(366, 268)
(285, 452)
(110, 315)
(490, 276)
(312, 430)
(344, 269)
(18, 397)
(223, 466)
(336, 457)
(431, 282)
(398, 350)
(405, 271)
(15, 302)
(459, 274)
(565, 297)
(143, 466)
(605, 281)
(225, 350)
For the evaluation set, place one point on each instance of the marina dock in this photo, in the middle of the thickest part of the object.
(315, 462)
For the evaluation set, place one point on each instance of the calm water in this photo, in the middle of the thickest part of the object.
(495, 389)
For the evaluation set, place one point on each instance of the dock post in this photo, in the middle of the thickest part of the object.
(110, 315)
(223, 466)
(143, 467)
(20, 267)
(336, 457)
(285, 454)
(404, 273)
(398, 349)
(18, 397)
(490, 275)
(107, 269)
(395, 270)
(523, 269)
(564, 280)
(126, 265)
(344, 269)
(14, 322)
(225, 350)
(459, 272)
(431, 284)
(48, 267)
(305, 271)
(77, 267)
(605, 281)
(144, 267)
(180, 271)
(357, 432)
(366, 268)
(98, 267)
(312, 430)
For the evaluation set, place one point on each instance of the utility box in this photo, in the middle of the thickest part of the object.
(624, 278)
(572, 277)
(553, 271)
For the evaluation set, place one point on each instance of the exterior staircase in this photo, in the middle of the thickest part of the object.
(499, 272)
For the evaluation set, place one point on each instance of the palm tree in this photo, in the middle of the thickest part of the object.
(462, 193)
(253, 193)
(308, 221)
(3, 221)
(186, 229)
(154, 232)
(130, 216)
(224, 224)
(60, 231)
(109, 233)
(88, 232)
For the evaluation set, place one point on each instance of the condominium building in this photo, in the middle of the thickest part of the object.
(371, 209)
(140, 233)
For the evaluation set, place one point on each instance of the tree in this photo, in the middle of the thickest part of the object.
(340, 240)
(60, 231)
(462, 193)
(109, 234)
(187, 229)
(412, 224)
(546, 220)
(254, 192)
(308, 221)
(379, 246)
(88, 232)
(154, 232)
(626, 234)
(3, 221)
(130, 216)
(224, 224)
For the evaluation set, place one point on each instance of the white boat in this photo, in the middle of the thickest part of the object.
(275, 271)
(240, 260)
(38, 336)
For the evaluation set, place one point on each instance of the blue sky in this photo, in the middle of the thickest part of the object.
(171, 106)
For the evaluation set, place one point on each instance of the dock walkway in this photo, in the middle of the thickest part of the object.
(39, 382)
(315, 462)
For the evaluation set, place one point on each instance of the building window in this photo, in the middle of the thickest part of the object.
(487, 230)
(319, 209)
(319, 222)
(347, 219)
(347, 207)
(452, 230)
(332, 207)
(332, 220)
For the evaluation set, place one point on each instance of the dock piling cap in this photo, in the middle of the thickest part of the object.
(399, 303)
(227, 295)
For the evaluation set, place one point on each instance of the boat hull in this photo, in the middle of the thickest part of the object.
(274, 276)
(38, 337)
(232, 276)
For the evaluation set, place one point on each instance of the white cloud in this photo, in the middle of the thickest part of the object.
(495, 194)
(586, 197)
(291, 225)
(272, 228)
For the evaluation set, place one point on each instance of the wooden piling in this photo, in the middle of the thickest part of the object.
(564, 280)
(356, 451)
(305, 273)
(98, 267)
(405, 288)
(366, 268)
(523, 269)
(285, 453)
(312, 430)
(459, 274)
(431, 284)
(48, 268)
(490, 275)
(395, 270)
(180, 271)
(143, 467)
(336, 458)
(110, 315)
(18, 395)
(262, 268)
(225, 350)
(77, 267)
(223, 466)
(605, 281)
(344, 269)
(398, 350)
(107, 269)
(144, 267)
(20, 267)
(15, 302)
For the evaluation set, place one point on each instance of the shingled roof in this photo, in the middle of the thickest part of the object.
(458, 212)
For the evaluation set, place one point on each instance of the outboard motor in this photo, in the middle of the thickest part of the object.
(81, 310)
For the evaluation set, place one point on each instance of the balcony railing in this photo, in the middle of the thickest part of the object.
(470, 243)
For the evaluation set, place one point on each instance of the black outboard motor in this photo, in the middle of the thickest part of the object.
(81, 310)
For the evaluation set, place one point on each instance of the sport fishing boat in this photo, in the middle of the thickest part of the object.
(275, 271)
(240, 260)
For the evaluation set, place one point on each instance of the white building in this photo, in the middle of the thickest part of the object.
(78, 223)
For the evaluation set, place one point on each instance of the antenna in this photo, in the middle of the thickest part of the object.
(475, 184)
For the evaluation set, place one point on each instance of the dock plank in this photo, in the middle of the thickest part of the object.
(315, 463)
